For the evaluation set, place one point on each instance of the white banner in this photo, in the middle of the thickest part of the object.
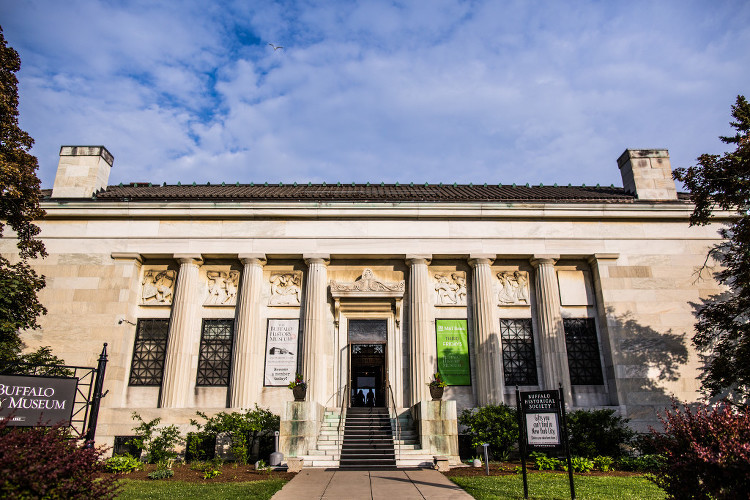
(281, 351)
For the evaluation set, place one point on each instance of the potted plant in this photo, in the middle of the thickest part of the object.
(437, 386)
(298, 387)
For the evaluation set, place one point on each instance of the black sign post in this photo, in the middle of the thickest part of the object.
(542, 427)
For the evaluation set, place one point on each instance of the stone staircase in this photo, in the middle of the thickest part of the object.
(368, 440)
(332, 451)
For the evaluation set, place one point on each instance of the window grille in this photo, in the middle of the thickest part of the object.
(149, 352)
(216, 352)
(519, 359)
(584, 362)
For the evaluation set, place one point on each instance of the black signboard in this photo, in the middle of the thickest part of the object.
(541, 420)
(37, 401)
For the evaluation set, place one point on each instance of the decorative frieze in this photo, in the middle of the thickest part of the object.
(513, 289)
(158, 287)
(222, 288)
(450, 289)
(368, 283)
(285, 289)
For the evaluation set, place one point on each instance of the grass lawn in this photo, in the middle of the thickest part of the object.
(555, 486)
(180, 490)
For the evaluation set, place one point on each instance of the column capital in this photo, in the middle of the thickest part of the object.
(419, 259)
(317, 258)
(188, 258)
(481, 258)
(537, 260)
(252, 258)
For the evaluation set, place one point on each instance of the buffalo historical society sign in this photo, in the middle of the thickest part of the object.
(282, 342)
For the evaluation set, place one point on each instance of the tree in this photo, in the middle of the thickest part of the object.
(723, 326)
(19, 207)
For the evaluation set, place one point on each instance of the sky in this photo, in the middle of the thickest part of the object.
(417, 91)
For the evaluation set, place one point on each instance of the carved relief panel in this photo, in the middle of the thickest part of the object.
(450, 288)
(158, 287)
(221, 287)
(513, 289)
(286, 289)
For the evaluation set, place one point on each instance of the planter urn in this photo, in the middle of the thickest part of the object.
(436, 392)
(299, 392)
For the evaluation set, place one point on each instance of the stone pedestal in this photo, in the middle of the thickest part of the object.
(300, 425)
(437, 425)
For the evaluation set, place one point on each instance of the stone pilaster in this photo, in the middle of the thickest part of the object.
(488, 351)
(183, 341)
(422, 355)
(249, 338)
(551, 329)
(314, 341)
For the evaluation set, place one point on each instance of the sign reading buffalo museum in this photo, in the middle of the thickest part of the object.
(453, 351)
(31, 401)
(281, 351)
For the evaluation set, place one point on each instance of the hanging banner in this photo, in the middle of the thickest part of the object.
(37, 401)
(282, 343)
(453, 351)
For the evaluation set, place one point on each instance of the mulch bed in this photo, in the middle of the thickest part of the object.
(229, 474)
(509, 469)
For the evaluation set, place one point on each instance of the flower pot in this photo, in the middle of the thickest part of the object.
(299, 392)
(436, 392)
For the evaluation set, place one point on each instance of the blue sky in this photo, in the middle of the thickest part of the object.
(415, 91)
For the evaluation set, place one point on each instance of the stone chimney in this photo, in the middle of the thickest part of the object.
(82, 171)
(647, 173)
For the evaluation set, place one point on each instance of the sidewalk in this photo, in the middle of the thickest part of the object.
(406, 484)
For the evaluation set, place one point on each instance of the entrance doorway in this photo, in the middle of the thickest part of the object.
(367, 362)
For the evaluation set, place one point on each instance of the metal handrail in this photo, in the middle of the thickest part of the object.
(344, 406)
(398, 424)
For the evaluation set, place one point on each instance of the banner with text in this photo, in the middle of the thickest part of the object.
(37, 401)
(281, 351)
(453, 351)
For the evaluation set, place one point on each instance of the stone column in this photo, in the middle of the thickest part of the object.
(488, 351)
(314, 341)
(184, 336)
(249, 339)
(551, 329)
(422, 355)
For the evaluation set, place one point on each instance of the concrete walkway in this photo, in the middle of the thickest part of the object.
(405, 484)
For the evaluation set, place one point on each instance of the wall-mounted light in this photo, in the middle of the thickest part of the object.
(123, 320)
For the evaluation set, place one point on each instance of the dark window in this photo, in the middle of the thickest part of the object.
(584, 362)
(216, 352)
(519, 360)
(149, 351)
(122, 447)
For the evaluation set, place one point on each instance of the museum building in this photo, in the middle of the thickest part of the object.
(212, 296)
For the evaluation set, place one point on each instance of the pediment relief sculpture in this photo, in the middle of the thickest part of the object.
(285, 289)
(367, 283)
(450, 289)
(222, 288)
(158, 287)
(514, 288)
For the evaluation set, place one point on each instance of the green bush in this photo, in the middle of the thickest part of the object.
(643, 463)
(245, 429)
(543, 462)
(603, 463)
(579, 464)
(122, 464)
(493, 424)
(161, 474)
(159, 444)
(598, 432)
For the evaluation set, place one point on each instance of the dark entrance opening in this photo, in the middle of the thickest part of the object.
(367, 367)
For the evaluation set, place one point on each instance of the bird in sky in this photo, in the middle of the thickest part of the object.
(275, 47)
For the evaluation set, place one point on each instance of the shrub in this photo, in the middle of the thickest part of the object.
(603, 463)
(579, 464)
(706, 452)
(598, 432)
(161, 474)
(246, 431)
(493, 424)
(122, 464)
(158, 445)
(543, 462)
(643, 463)
(48, 463)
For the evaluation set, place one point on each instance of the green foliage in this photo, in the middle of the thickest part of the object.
(161, 474)
(598, 432)
(723, 331)
(706, 452)
(159, 444)
(642, 463)
(122, 464)
(298, 381)
(437, 381)
(579, 464)
(493, 424)
(244, 429)
(603, 463)
(543, 462)
(171, 490)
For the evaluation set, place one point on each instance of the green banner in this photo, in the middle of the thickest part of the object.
(453, 351)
